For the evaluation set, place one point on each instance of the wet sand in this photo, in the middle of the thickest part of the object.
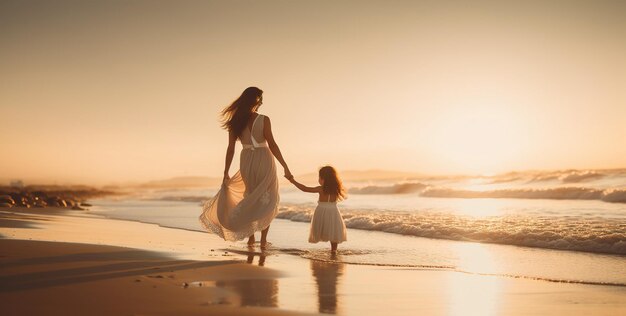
(57, 262)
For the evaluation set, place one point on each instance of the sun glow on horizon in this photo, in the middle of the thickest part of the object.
(428, 87)
(479, 139)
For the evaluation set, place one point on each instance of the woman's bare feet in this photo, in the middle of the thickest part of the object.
(264, 238)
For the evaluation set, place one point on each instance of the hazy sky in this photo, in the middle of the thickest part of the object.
(106, 91)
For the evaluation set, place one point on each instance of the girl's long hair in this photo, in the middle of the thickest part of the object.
(332, 183)
(235, 117)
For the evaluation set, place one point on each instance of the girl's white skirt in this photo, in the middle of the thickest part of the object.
(327, 224)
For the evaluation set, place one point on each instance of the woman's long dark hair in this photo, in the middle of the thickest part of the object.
(332, 183)
(235, 117)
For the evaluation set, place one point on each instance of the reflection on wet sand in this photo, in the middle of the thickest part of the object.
(261, 259)
(327, 275)
(254, 292)
(484, 296)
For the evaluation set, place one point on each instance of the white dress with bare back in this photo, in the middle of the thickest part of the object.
(248, 202)
(327, 223)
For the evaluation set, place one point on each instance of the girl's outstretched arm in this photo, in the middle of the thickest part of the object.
(304, 188)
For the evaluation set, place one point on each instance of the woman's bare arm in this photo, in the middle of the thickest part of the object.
(230, 153)
(267, 132)
(304, 188)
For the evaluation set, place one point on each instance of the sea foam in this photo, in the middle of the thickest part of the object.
(563, 233)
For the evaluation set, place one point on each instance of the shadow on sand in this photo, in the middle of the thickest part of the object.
(107, 264)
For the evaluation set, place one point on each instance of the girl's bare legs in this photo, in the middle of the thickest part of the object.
(333, 247)
(264, 237)
(251, 240)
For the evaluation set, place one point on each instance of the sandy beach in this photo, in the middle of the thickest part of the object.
(72, 262)
(380, 158)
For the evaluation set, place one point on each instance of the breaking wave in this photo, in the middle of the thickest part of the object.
(574, 177)
(399, 188)
(613, 195)
(565, 193)
(562, 233)
(563, 176)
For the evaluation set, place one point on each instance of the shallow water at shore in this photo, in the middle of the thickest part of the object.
(396, 250)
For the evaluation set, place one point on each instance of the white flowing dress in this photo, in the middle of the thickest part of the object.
(248, 202)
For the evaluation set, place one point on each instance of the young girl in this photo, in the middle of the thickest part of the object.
(327, 224)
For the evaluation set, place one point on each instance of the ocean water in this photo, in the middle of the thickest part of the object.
(560, 226)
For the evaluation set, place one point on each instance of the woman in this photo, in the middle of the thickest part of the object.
(247, 202)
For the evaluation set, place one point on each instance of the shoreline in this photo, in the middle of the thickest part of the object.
(112, 254)
(62, 267)
(300, 213)
(381, 248)
(389, 265)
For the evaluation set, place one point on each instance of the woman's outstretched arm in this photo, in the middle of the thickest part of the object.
(230, 153)
(267, 132)
(304, 188)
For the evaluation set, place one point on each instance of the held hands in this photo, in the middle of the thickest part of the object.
(288, 175)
